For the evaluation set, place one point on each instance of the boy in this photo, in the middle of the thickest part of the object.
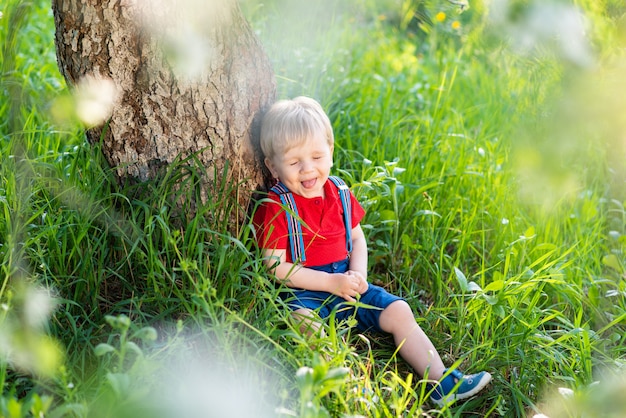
(317, 246)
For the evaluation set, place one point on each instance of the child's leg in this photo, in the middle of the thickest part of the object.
(307, 320)
(417, 349)
(415, 346)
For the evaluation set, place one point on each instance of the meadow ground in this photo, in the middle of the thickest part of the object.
(487, 145)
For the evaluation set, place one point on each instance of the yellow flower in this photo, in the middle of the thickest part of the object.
(440, 17)
(456, 25)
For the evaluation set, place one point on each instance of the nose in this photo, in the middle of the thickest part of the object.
(306, 166)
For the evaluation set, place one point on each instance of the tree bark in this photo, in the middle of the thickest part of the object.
(206, 103)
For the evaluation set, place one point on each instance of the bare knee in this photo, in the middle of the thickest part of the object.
(307, 320)
(397, 317)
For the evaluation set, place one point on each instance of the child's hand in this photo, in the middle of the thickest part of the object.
(362, 280)
(347, 285)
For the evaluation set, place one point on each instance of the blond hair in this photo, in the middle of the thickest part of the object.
(291, 122)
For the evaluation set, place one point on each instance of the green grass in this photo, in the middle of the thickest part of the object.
(494, 205)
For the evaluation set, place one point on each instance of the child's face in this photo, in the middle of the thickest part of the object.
(304, 168)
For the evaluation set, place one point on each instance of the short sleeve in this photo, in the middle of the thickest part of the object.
(271, 224)
(357, 210)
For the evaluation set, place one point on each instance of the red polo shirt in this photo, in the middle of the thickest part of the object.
(323, 229)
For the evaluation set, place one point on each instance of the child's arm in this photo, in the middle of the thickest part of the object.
(358, 258)
(294, 275)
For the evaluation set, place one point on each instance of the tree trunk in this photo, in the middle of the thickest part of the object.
(191, 79)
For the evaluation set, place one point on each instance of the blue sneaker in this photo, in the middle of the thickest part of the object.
(456, 386)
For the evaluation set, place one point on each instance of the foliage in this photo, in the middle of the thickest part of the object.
(492, 176)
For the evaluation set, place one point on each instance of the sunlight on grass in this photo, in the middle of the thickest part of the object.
(490, 159)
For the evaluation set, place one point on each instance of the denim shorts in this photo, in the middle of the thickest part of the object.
(375, 297)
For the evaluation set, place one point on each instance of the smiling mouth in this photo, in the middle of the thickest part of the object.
(307, 184)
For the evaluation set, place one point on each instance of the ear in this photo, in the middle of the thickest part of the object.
(270, 166)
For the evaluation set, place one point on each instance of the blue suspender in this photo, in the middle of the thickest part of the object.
(294, 227)
(344, 195)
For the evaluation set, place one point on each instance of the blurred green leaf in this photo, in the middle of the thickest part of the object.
(461, 279)
(103, 348)
(120, 383)
(613, 262)
(146, 334)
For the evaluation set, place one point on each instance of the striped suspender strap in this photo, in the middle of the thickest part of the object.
(294, 228)
(344, 195)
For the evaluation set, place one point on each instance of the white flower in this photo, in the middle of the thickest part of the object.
(566, 392)
(546, 24)
(95, 98)
(38, 306)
